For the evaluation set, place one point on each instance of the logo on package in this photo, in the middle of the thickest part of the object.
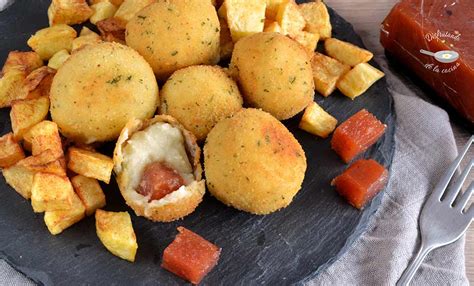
(443, 57)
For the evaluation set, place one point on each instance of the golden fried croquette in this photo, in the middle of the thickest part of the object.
(174, 34)
(99, 89)
(274, 73)
(199, 97)
(253, 163)
(173, 188)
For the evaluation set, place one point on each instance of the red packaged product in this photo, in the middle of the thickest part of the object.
(434, 39)
(190, 256)
(356, 134)
(361, 182)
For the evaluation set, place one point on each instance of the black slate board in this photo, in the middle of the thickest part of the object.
(287, 247)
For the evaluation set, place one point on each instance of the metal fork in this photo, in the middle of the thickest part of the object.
(443, 219)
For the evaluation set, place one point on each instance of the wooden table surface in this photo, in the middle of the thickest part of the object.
(366, 16)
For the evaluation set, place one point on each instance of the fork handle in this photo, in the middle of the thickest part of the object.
(414, 265)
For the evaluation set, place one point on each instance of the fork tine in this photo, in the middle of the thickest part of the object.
(444, 181)
(464, 198)
(455, 189)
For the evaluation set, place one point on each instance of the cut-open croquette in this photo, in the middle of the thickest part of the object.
(199, 97)
(174, 34)
(253, 163)
(274, 73)
(99, 89)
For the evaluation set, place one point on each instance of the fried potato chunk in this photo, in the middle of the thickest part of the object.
(290, 18)
(112, 30)
(326, 73)
(48, 41)
(90, 193)
(10, 151)
(346, 53)
(51, 192)
(58, 221)
(38, 82)
(129, 8)
(44, 136)
(317, 121)
(117, 3)
(227, 45)
(272, 27)
(88, 39)
(102, 10)
(68, 12)
(358, 80)
(23, 61)
(57, 60)
(244, 17)
(317, 18)
(115, 231)
(308, 40)
(271, 10)
(27, 113)
(90, 164)
(12, 87)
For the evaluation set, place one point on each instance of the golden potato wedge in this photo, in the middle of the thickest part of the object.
(90, 193)
(227, 45)
(12, 87)
(58, 221)
(68, 12)
(20, 176)
(129, 8)
(358, 80)
(51, 192)
(10, 151)
(308, 40)
(38, 82)
(244, 17)
(112, 30)
(57, 60)
(271, 10)
(44, 136)
(317, 19)
(24, 61)
(27, 113)
(317, 121)
(48, 41)
(290, 18)
(272, 27)
(326, 73)
(90, 164)
(115, 231)
(102, 10)
(346, 53)
(117, 3)
(82, 41)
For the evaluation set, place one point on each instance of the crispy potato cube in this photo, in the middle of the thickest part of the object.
(112, 30)
(68, 12)
(308, 40)
(102, 10)
(272, 27)
(57, 221)
(244, 17)
(90, 164)
(38, 82)
(20, 176)
(24, 61)
(317, 18)
(10, 151)
(129, 8)
(117, 3)
(227, 46)
(44, 136)
(58, 59)
(115, 231)
(271, 10)
(48, 41)
(82, 41)
(346, 53)
(326, 73)
(90, 193)
(27, 113)
(317, 121)
(51, 192)
(290, 18)
(358, 80)
(12, 87)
